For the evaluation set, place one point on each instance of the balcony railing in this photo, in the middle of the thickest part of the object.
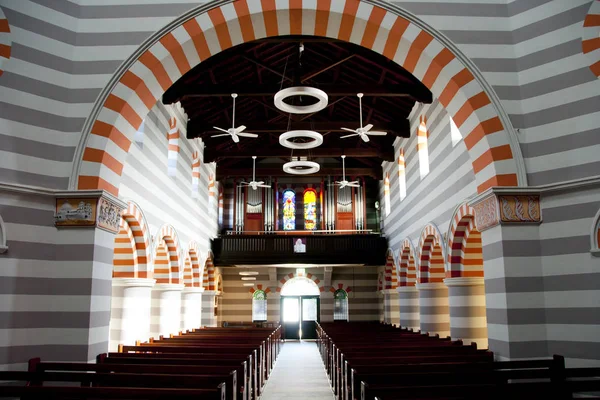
(311, 247)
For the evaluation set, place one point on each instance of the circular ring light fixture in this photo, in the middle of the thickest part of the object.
(301, 167)
(317, 139)
(318, 94)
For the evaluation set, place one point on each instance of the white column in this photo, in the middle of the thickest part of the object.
(166, 309)
(391, 306)
(191, 308)
(433, 308)
(130, 311)
(408, 297)
(467, 310)
(208, 308)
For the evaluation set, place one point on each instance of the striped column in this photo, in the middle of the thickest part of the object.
(467, 310)
(273, 307)
(208, 308)
(433, 308)
(166, 309)
(130, 311)
(191, 308)
(408, 299)
(326, 306)
(391, 308)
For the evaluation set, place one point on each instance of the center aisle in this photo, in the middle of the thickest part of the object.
(298, 374)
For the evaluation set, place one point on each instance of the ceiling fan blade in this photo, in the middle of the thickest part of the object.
(220, 129)
(221, 134)
(259, 183)
(334, 184)
(368, 127)
(377, 133)
(235, 137)
(354, 182)
(253, 135)
(240, 128)
(350, 184)
(342, 137)
(265, 186)
(244, 183)
(348, 129)
(364, 137)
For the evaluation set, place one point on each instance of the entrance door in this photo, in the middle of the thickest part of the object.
(300, 315)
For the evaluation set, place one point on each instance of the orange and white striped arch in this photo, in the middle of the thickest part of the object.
(167, 267)
(390, 273)
(173, 147)
(431, 255)
(206, 31)
(193, 254)
(308, 275)
(408, 271)
(260, 287)
(339, 286)
(209, 279)
(5, 41)
(590, 43)
(132, 245)
(465, 253)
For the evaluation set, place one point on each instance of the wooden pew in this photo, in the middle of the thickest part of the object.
(80, 393)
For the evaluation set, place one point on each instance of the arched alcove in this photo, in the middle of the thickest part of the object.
(300, 286)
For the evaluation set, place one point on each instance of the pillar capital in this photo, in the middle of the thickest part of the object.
(133, 282)
(169, 287)
(88, 209)
(193, 289)
(464, 281)
(507, 206)
(430, 286)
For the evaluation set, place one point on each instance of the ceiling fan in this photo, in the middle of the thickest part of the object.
(343, 183)
(363, 132)
(233, 131)
(253, 184)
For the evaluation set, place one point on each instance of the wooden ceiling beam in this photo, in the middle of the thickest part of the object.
(214, 154)
(223, 173)
(176, 93)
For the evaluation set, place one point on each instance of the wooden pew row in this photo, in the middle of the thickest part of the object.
(48, 385)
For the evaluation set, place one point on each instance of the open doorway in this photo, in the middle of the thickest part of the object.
(300, 309)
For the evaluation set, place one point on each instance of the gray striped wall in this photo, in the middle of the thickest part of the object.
(55, 285)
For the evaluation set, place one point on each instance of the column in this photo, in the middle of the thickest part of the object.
(273, 306)
(513, 272)
(191, 308)
(208, 308)
(166, 309)
(391, 308)
(408, 299)
(467, 310)
(433, 307)
(130, 311)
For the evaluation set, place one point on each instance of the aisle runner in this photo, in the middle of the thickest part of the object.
(298, 374)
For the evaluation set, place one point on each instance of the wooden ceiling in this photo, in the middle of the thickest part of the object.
(257, 70)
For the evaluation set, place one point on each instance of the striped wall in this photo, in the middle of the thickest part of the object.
(362, 296)
(55, 285)
(545, 296)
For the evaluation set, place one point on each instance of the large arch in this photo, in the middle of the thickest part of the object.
(208, 274)
(465, 253)
(391, 271)
(407, 275)
(194, 255)
(377, 25)
(167, 256)
(431, 255)
(134, 217)
(292, 275)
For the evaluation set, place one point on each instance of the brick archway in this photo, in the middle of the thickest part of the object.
(291, 275)
(408, 268)
(391, 271)
(214, 27)
(431, 255)
(465, 254)
(168, 256)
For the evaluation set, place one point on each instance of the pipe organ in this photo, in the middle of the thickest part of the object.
(337, 208)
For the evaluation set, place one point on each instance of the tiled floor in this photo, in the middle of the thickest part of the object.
(298, 374)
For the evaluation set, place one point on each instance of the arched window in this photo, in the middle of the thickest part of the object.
(340, 305)
(402, 175)
(289, 210)
(386, 194)
(310, 209)
(259, 306)
(422, 149)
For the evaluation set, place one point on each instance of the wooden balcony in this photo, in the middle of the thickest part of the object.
(259, 248)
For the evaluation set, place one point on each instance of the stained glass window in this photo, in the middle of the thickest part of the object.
(310, 209)
(289, 210)
(340, 305)
(259, 306)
